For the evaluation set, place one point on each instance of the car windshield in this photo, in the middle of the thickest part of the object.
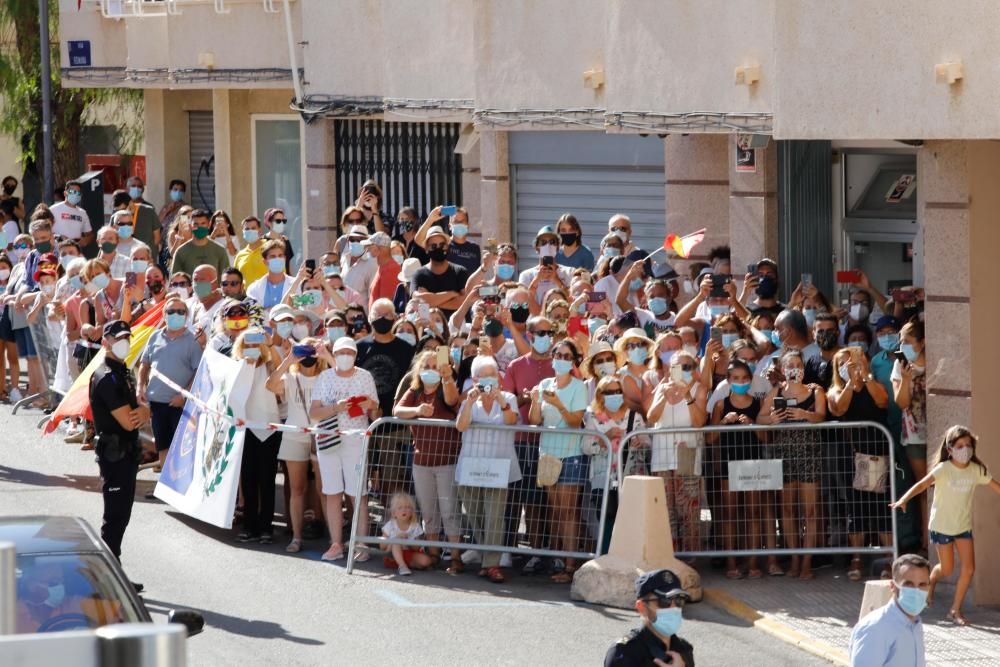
(69, 592)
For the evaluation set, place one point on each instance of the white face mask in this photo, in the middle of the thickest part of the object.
(692, 350)
(120, 349)
(962, 455)
(548, 250)
(345, 362)
(300, 331)
(48, 290)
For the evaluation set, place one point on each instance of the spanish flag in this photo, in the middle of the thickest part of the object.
(76, 402)
(682, 245)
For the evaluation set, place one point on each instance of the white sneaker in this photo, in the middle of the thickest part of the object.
(72, 429)
(404, 571)
(533, 565)
(15, 395)
(471, 556)
(506, 560)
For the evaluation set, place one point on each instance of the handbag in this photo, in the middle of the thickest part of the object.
(549, 469)
(330, 438)
(870, 472)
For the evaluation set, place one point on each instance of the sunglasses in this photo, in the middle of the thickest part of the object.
(356, 221)
(180, 284)
(687, 367)
(177, 312)
(278, 221)
(635, 346)
(541, 333)
(667, 602)
(230, 283)
(437, 246)
(21, 246)
(613, 393)
(619, 229)
(566, 356)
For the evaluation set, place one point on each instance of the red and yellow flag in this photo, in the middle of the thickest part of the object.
(682, 245)
(76, 402)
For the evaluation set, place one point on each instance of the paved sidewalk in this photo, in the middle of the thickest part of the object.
(818, 616)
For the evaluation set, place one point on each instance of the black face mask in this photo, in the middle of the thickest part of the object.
(767, 287)
(493, 328)
(826, 339)
(155, 288)
(438, 254)
(519, 314)
(569, 238)
(308, 362)
(382, 325)
(9, 189)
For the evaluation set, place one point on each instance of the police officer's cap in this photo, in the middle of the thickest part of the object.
(662, 583)
(117, 329)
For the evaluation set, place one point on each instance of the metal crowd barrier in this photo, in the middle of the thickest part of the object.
(783, 489)
(486, 510)
(48, 355)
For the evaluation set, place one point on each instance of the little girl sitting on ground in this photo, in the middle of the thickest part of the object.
(404, 525)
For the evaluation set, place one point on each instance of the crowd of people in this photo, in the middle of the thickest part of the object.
(413, 319)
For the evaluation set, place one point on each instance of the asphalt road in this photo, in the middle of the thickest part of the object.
(263, 606)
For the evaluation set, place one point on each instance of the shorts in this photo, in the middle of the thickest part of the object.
(295, 447)
(6, 330)
(408, 554)
(25, 343)
(340, 468)
(940, 538)
(574, 470)
(917, 451)
(164, 419)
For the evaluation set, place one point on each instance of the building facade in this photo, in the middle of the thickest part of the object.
(875, 131)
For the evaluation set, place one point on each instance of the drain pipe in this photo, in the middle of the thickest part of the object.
(296, 83)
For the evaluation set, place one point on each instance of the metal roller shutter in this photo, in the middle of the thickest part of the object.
(201, 186)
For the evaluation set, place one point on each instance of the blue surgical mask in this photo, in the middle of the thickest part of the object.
(176, 195)
(276, 265)
(284, 329)
(912, 600)
(356, 249)
(139, 265)
(76, 282)
(460, 230)
(668, 621)
(65, 260)
(611, 251)
(666, 357)
(562, 366)
(740, 388)
(335, 333)
(407, 338)
(125, 232)
(488, 382)
(658, 305)
(889, 342)
(908, 351)
(752, 364)
(718, 311)
(595, 323)
(330, 270)
(541, 344)
(176, 321)
(135, 192)
(729, 338)
(638, 355)
(251, 353)
(810, 315)
(860, 344)
(56, 595)
(635, 284)
(74, 198)
(251, 235)
(505, 271)
(100, 281)
(279, 227)
(430, 377)
(456, 355)
(688, 376)
(613, 402)
(772, 336)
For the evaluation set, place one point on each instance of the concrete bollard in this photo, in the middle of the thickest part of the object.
(641, 541)
(877, 595)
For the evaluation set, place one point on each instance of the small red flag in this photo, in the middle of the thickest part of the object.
(682, 245)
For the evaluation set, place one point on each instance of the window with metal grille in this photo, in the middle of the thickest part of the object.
(414, 163)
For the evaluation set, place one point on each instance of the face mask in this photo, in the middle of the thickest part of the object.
(488, 383)
(43, 247)
(135, 192)
(562, 366)
(962, 455)
(331, 270)
(635, 284)
(668, 621)
(120, 349)
(658, 305)
(729, 338)
(595, 323)
(65, 260)
(826, 339)
(276, 265)
(175, 321)
(605, 368)
(691, 349)
(300, 331)
(620, 233)
(48, 290)
(56, 596)
(666, 357)
(333, 333)
(74, 198)
(569, 238)
(76, 282)
(638, 355)
(19, 254)
(430, 377)
(382, 325)
(279, 227)
(438, 254)
(752, 364)
(9, 189)
(611, 251)
(201, 232)
(345, 362)
(718, 311)
(740, 388)
(399, 259)
(356, 249)
(810, 315)
(456, 355)
(284, 329)
(541, 344)
(176, 195)
(687, 376)
(860, 344)
(548, 249)
(108, 247)
(139, 265)
(859, 312)
(460, 230)
(912, 600)
(251, 235)
(251, 353)
(793, 375)
(125, 232)
(908, 351)
(888, 342)
(519, 314)
(505, 271)
(493, 328)
(845, 374)
(767, 287)
(613, 402)
(438, 328)
(100, 281)
(202, 288)
(408, 338)
(308, 362)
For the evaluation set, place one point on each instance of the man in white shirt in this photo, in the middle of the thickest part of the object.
(893, 635)
(69, 219)
(546, 275)
(107, 241)
(122, 222)
(357, 267)
(620, 225)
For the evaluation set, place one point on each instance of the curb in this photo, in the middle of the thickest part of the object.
(736, 607)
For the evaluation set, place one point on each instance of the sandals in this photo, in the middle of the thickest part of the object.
(734, 574)
(456, 567)
(955, 616)
(807, 575)
(755, 574)
(854, 573)
(774, 570)
(564, 577)
(495, 575)
(294, 546)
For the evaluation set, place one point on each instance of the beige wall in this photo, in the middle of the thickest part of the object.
(346, 41)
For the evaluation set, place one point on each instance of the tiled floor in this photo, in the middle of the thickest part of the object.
(827, 609)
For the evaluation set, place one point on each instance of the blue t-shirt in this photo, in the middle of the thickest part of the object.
(583, 258)
(273, 293)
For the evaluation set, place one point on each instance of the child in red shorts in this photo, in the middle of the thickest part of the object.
(404, 525)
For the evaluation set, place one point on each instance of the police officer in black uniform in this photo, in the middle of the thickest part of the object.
(117, 418)
(659, 600)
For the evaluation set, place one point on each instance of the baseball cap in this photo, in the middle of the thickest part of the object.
(436, 231)
(282, 312)
(662, 583)
(44, 272)
(381, 239)
(345, 343)
(117, 329)
(887, 321)
(546, 231)
(410, 267)
(358, 230)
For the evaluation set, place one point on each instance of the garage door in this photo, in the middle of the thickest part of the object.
(591, 175)
(201, 187)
